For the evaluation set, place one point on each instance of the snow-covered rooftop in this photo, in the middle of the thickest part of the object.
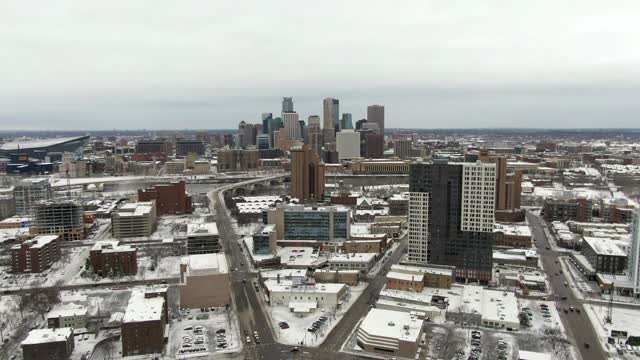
(67, 312)
(41, 336)
(404, 276)
(206, 263)
(392, 324)
(512, 229)
(39, 143)
(135, 209)
(499, 306)
(38, 241)
(143, 309)
(603, 246)
(195, 229)
(352, 258)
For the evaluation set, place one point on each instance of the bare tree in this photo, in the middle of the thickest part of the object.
(556, 341)
(44, 299)
(22, 304)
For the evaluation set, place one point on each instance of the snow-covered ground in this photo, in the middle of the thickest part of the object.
(625, 319)
(167, 267)
(213, 323)
(298, 324)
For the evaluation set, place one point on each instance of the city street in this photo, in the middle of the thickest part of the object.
(251, 315)
(577, 325)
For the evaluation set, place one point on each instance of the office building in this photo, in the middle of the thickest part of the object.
(379, 166)
(30, 191)
(302, 298)
(134, 220)
(508, 186)
(35, 255)
(314, 134)
(186, 147)
(265, 240)
(153, 147)
(347, 121)
(307, 174)
(238, 160)
(143, 325)
(108, 257)
(262, 142)
(202, 238)
(204, 281)
(348, 144)
(374, 146)
(53, 344)
(362, 262)
(402, 148)
(375, 115)
(246, 135)
(287, 104)
(275, 124)
(330, 119)
(59, 217)
(390, 332)
(292, 125)
(297, 222)
(170, 198)
(360, 124)
(451, 217)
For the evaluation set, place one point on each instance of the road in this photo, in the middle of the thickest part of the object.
(578, 326)
(249, 308)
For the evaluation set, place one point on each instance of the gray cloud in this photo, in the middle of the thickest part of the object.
(210, 64)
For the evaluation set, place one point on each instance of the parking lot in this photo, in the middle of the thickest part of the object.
(203, 332)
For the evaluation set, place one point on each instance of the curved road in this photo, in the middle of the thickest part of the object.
(249, 309)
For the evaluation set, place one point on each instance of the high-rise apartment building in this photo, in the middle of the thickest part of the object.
(451, 216)
(287, 104)
(330, 117)
(29, 191)
(509, 186)
(375, 114)
(292, 125)
(348, 144)
(634, 257)
(402, 148)
(307, 174)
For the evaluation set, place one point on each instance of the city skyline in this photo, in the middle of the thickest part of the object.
(455, 67)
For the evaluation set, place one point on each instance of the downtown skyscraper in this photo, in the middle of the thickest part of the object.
(451, 216)
(330, 119)
(375, 115)
(287, 104)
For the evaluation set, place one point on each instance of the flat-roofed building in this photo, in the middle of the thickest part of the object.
(512, 235)
(403, 276)
(72, 317)
(170, 198)
(202, 238)
(379, 166)
(390, 332)
(59, 217)
(265, 240)
(35, 255)
(51, 344)
(604, 255)
(204, 281)
(134, 220)
(143, 325)
(362, 262)
(110, 258)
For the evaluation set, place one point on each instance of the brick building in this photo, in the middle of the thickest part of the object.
(108, 257)
(170, 198)
(143, 325)
(35, 255)
(50, 344)
(406, 277)
(565, 210)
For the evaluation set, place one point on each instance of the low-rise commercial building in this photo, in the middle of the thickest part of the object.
(512, 235)
(53, 344)
(362, 262)
(35, 255)
(204, 281)
(390, 333)
(134, 220)
(75, 318)
(143, 325)
(111, 258)
(304, 298)
(349, 277)
(402, 277)
(372, 243)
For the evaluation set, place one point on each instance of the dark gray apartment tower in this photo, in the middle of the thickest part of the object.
(451, 217)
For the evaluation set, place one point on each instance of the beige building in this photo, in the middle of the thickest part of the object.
(134, 220)
(204, 281)
(379, 166)
(390, 332)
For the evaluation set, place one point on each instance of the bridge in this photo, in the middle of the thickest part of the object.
(254, 186)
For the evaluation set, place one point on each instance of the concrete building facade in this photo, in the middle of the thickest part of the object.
(204, 281)
(134, 220)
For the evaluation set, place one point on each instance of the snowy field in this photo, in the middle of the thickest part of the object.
(298, 324)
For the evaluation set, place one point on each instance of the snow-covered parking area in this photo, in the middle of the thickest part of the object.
(203, 333)
(299, 324)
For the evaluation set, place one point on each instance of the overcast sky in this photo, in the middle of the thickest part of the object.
(210, 64)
